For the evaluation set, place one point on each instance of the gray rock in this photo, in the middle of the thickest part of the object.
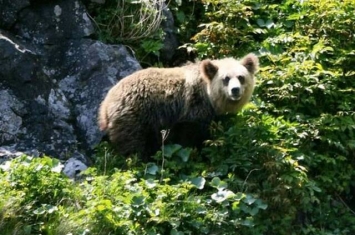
(16, 57)
(10, 152)
(10, 119)
(98, 66)
(54, 22)
(171, 42)
(53, 78)
(9, 11)
(73, 167)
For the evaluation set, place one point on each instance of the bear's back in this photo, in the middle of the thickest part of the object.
(159, 96)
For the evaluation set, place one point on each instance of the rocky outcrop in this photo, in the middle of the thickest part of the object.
(53, 77)
(170, 43)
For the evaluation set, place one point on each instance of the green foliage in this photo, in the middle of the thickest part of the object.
(31, 194)
(227, 29)
(187, 15)
(295, 147)
(36, 199)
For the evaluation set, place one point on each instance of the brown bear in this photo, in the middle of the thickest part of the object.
(141, 105)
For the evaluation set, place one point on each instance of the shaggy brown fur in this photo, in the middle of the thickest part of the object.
(138, 107)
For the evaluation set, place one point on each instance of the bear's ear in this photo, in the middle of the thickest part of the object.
(251, 62)
(208, 70)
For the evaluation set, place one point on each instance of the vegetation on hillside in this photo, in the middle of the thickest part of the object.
(284, 165)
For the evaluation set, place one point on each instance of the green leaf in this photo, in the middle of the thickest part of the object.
(239, 196)
(254, 211)
(198, 182)
(289, 24)
(235, 206)
(152, 46)
(138, 201)
(218, 183)
(51, 209)
(269, 23)
(176, 232)
(57, 167)
(170, 149)
(180, 16)
(45, 208)
(6, 166)
(260, 22)
(150, 183)
(178, 2)
(249, 222)
(152, 169)
(222, 195)
(184, 154)
(39, 211)
(295, 16)
(260, 204)
(249, 199)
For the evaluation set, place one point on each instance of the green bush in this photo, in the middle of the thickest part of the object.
(35, 199)
(304, 109)
(32, 191)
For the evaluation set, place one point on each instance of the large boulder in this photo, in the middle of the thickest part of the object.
(53, 78)
(170, 43)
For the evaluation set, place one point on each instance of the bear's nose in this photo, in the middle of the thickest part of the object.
(235, 91)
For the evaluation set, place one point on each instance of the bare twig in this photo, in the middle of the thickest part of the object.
(246, 179)
(346, 205)
(164, 135)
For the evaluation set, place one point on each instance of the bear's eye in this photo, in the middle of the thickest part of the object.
(241, 79)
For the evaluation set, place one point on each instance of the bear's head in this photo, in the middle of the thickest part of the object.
(230, 83)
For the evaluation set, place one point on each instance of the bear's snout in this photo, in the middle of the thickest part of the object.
(235, 91)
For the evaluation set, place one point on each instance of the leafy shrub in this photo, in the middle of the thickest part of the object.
(227, 29)
(295, 144)
(125, 202)
(31, 193)
(187, 16)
